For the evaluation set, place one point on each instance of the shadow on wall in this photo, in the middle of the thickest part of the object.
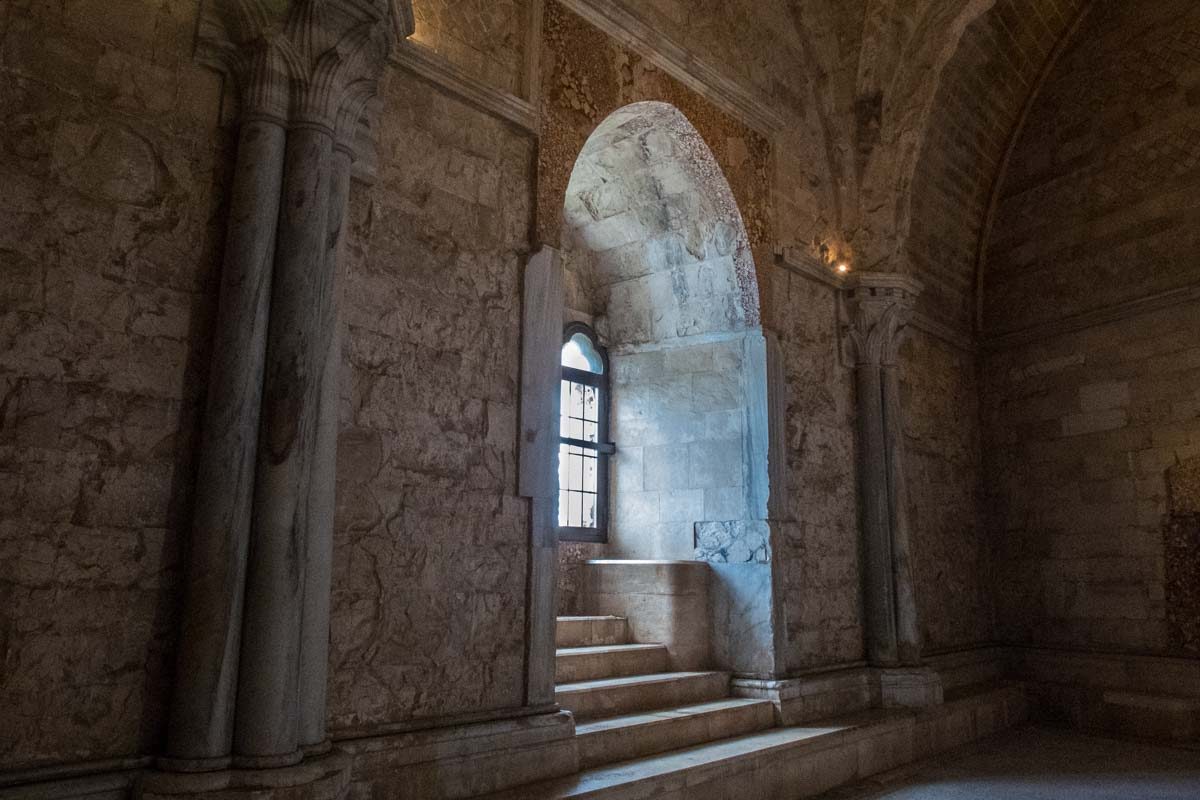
(657, 259)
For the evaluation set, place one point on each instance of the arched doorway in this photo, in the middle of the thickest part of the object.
(657, 262)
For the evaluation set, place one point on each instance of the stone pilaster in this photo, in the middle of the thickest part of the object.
(251, 676)
(877, 308)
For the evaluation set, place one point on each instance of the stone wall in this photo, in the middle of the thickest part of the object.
(951, 551)
(977, 110)
(486, 39)
(113, 167)
(1081, 426)
(679, 421)
(1080, 432)
(431, 543)
(817, 542)
(1099, 206)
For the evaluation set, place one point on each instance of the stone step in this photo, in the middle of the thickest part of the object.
(612, 697)
(792, 763)
(637, 735)
(590, 631)
(573, 664)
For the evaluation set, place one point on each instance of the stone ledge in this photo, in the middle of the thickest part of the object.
(463, 761)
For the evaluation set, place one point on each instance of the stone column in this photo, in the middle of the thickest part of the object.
(319, 513)
(877, 310)
(200, 732)
(251, 679)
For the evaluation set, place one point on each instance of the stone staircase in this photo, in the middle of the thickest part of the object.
(626, 703)
(643, 731)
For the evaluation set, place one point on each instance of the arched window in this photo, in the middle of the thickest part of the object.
(583, 447)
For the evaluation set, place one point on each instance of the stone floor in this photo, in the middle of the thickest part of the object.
(1041, 764)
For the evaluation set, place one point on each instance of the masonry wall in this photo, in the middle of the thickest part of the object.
(431, 540)
(113, 168)
(1081, 427)
(1080, 433)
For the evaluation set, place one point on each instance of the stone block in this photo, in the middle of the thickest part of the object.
(716, 464)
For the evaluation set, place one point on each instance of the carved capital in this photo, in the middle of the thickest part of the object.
(876, 309)
(304, 62)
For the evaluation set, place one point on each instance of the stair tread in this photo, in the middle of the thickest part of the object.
(707, 756)
(601, 649)
(633, 680)
(665, 715)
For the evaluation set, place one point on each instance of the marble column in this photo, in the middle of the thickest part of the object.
(320, 497)
(268, 713)
(202, 705)
(252, 667)
(877, 308)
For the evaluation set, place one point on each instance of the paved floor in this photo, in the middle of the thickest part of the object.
(1040, 764)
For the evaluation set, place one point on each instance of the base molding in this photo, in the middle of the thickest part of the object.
(325, 777)
(909, 687)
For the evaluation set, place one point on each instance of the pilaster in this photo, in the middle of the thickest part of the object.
(877, 309)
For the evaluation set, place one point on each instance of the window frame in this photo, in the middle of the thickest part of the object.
(603, 448)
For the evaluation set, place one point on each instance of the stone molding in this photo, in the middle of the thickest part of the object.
(425, 63)
(308, 62)
(615, 19)
(799, 263)
(1091, 319)
(878, 309)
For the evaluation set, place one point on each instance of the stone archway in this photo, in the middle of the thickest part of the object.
(656, 258)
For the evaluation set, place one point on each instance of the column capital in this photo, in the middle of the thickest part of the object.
(304, 62)
(876, 309)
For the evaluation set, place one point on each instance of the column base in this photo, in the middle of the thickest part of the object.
(909, 687)
(324, 778)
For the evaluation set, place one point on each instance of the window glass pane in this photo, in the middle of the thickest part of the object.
(589, 511)
(575, 510)
(575, 409)
(564, 397)
(575, 479)
(580, 353)
(589, 474)
(591, 403)
(563, 455)
(591, 432)
(562, 508)
(575, 429)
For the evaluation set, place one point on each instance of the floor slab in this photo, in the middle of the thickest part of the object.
(1034, 763)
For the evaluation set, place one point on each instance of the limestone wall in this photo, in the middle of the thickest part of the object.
(431, 543)
(1080, 432)
(951, 550)
(486, 39)
(113, 168)
(1081, 427)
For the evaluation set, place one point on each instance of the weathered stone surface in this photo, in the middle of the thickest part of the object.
(112, 164)
(431, 543)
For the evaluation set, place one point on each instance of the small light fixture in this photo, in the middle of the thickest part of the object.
(843, 268)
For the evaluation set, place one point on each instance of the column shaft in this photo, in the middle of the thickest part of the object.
(268, 719)
(202, 705)
(877, 540)
(908, 629)
(321, 498)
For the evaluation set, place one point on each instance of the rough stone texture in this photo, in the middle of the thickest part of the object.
(1099, 208)
(485, 38)
(1081, 429)
(431, 542)
(951, 552)
(112, 165)
(1079, 432)
(817, 548)
(1182, 585)
(978, 105)
(587, 76)
(571, 559)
